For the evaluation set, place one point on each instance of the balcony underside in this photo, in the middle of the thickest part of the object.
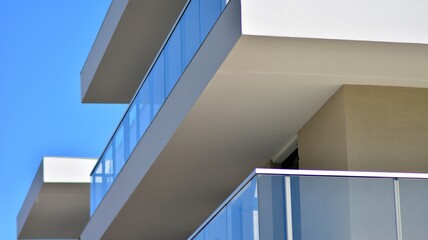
(132, 33)
(61, 210)
(56, 206)
(253, 106)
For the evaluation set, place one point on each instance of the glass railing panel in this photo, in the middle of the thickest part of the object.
(337, 208)
(372, 208)
(191, 39)
(272, 208)
(173, 68)
(210, 11)
(183, 43)
(131, 123)
(414, 208)
(144, 114)
(200, 236)
(243, 214)
(238, 220)
(109, 169)
(223, 4)
(369, 206)
(118, 150)
(217, 228)
(157, 82)
(96, 186)
(108, 172)
(324, 208)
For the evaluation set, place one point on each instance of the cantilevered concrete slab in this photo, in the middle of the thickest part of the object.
(131, 35)
(57, 204)
(134, 30)
(239, 104)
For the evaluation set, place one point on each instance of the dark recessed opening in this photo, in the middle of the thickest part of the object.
(292, 161)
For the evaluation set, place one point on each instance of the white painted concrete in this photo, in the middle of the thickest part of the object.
(67, 170)
(367, 20)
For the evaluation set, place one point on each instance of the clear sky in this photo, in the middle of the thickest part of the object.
(43, 46)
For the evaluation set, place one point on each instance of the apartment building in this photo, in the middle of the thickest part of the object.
(218, 89)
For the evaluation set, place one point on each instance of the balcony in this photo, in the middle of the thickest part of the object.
(254, 75)
(219, 99)
(330, 205)
(190, 31)
(57, 203)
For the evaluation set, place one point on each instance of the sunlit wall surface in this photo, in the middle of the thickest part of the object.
(322, 208)
(187, 36)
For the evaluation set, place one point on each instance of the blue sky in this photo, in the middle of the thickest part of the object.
(43, 46)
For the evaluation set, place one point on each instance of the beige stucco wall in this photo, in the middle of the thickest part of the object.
(322, 140)
(387, 128)
(374, 128)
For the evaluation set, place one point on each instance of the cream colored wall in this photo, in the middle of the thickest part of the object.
(387, 128)
(322, 140)
(373, 128)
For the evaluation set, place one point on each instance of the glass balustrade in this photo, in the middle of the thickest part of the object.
(308, 205)
(193, 26)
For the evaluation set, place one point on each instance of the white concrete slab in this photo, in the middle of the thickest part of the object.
(57, 204)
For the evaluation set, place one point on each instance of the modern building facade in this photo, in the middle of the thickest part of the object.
(218, 88)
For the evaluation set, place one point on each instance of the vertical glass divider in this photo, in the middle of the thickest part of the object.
(398, 209)
(288, 207)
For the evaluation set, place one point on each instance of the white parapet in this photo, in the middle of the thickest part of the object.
(67, 170)
(380, 20)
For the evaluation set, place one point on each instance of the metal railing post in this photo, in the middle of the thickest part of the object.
(288, 207)
(397, 209)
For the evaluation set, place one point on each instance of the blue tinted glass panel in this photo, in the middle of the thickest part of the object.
(217, 228)
(272, 210)
(109, 167)
(108, 173)
(104, 184)
(97, 181)
(93, 191)
(190, 32)
(144, 109)
(337, 208)
(118, 153)
(210, 11)
(223, 4)
(243, 215)
(414, 208)
(132, 127)
(295, 209)
(157, 82)
(200, 236)
(173, 60)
